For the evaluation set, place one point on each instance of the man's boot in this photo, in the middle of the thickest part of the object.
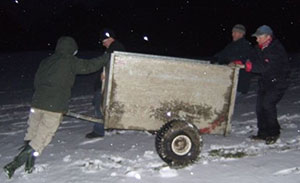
(29, 165)
(18, 161)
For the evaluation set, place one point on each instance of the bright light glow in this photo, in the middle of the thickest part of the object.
(16, 1)
(75, 52)
(146, 38)
(32, 110)
(107, 34)
(169, 114)
(36, 154)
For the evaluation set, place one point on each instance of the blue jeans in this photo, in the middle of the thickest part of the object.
(98, 127)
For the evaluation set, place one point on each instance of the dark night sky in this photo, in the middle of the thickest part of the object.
(188, 28)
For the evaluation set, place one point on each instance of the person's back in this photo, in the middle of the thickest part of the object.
(56, 75)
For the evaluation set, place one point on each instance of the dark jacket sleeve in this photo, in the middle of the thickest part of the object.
(115, 46)
(270, 62)
(221, 57)
(273, 66)
(86, 66)
(237, 50)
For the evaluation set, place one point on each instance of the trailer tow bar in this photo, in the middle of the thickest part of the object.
(84, 117)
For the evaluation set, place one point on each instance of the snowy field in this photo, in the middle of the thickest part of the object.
(130, 156)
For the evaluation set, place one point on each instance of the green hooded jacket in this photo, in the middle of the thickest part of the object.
(56, 75)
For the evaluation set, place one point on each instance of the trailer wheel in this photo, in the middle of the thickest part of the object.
(178, 143)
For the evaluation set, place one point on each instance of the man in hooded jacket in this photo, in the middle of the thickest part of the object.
(53, 82)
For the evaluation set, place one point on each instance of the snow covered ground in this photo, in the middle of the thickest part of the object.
(130, 156)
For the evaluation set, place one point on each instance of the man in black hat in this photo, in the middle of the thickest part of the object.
(238, 49)
(270, 61)
(109, 41)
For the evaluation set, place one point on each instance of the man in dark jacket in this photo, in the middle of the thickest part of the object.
(271, 62)
(109, 41)
(53, 82)
(238, 49)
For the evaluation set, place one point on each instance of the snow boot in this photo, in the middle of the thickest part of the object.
(272, 139)
(257, 137)
(29, 165)
(18, 161)
(93, 135)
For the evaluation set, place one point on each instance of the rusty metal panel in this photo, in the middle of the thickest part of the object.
(145, 91)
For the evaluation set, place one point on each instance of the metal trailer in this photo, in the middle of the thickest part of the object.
(177, 98)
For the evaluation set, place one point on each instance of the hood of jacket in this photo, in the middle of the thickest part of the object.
(66, 45)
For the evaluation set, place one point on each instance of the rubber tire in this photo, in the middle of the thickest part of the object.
(172, 131)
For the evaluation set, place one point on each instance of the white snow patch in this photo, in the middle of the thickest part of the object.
(134, 174)
(149, 154)
(67, 158)
(288, 117)
(248, 114)
(167, 172)
(294, 170)
(91, 141)
(113, 174)
(40, 168)
(12, 133)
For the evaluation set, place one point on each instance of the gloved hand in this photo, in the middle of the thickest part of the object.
(248, 66)
(236, 62)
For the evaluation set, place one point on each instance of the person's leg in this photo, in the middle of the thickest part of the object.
(260, 114)
(98, 128)
(244, 82)
(270, 102)
(35, 117)
(46, 130)
(26, 153)
(19, 160)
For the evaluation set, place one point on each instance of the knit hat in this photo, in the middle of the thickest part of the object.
(264, 29)
(107, 33)
(239, 28)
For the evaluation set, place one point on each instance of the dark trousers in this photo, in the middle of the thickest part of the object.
(266, 111)
(98, 128)
(244, 81)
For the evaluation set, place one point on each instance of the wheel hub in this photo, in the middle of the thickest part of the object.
(181, 145)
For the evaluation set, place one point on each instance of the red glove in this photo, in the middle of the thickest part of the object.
(248, 66)
(238, 62)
